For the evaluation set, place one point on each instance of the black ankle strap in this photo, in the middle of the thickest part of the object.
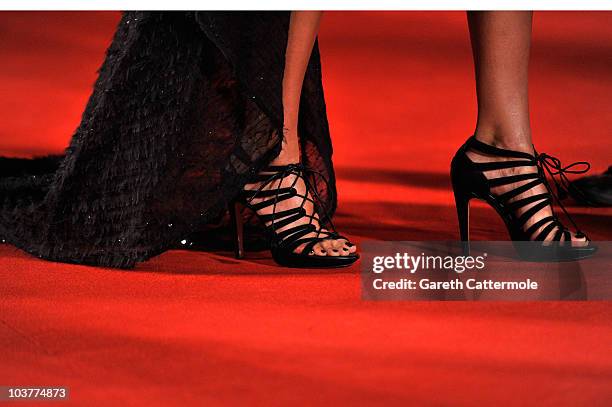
(473, 143)
(281, 168)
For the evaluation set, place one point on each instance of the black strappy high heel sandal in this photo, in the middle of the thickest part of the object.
(469, 181)
(290, 228)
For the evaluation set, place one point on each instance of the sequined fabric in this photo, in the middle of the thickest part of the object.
(186, 109)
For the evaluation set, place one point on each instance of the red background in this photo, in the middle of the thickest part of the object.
(207, 328)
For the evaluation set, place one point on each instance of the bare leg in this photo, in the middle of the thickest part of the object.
(303, 30)
(501, 42)
(302, 33)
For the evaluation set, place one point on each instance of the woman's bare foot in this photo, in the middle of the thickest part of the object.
(480, 157)
(326, 247)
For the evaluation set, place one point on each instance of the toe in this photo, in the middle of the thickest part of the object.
(352, 247)
(333, 252)
(327, 246)
(579, 241)
(337, 243)
(319, 250)
(346, 247)
(330, 248)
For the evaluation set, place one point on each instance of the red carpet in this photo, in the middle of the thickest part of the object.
(193, 328)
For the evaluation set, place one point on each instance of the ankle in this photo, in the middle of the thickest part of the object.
(290, 149)
(286, 157)
(509, 140)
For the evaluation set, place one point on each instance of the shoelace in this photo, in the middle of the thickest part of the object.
(301, 172)
(552, 165)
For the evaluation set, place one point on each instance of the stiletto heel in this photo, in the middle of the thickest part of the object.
(520, 204)
(462, 202)
(290, 229)
(463, 215)
(238, 228)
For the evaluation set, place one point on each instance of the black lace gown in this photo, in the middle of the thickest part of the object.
(186, 109)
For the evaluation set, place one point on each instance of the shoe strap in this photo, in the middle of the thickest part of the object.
(278, 224)
(281, 216)
(520, 203)
(567, 235)
(291, 237)
(546, 164)
(532, 211)
(278, 195)
(511, 179)
(545, 232)
(282, 168)
(473, 143)
(507, 196)
(501, 165)
(552, 166)
(531, 230)
(558, 235)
